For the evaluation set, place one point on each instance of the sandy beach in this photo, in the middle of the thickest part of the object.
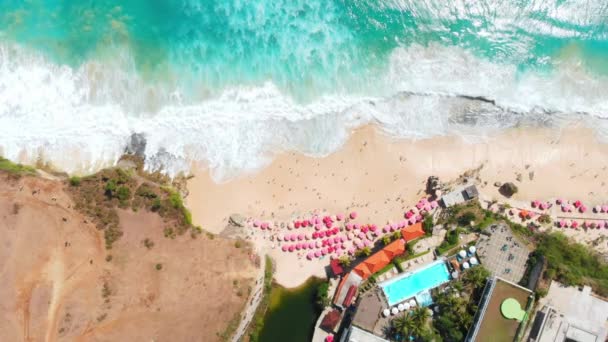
(380, 176)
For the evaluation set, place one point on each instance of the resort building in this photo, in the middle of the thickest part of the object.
(358, 335)
(460, 196)
(570, 314)
(503, 312)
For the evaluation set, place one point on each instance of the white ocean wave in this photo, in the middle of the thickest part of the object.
(81, 119)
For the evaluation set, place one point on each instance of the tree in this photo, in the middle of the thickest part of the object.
(403, 326)
(322, 296)
(420, 316)
(344, 260)
(427, 224)
(386, 239)
(476, 276)
(365, 251)
(396, 235)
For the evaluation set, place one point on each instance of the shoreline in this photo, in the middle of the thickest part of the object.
(380, 176)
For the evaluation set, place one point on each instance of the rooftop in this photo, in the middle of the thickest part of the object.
(572, 313)
(490, 324)
(380, 259)
(369, 312)
(357, 335)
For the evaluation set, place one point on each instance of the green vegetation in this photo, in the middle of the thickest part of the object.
(75, 181)
(257, 322)
(158, 267)
(428, 224)
(451, 241)
(345, 260)
(572, 263)
(458, 305)
(322, 297)
(365, 251)
(414, 326)
(386, 239)
(99, 195)
(16, 169)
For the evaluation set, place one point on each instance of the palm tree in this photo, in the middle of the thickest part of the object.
(476, 276)
(403, 326)
(420, 316)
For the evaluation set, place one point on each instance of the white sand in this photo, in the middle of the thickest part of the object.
(380, 177)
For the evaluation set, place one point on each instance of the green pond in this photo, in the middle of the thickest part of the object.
(292, 313)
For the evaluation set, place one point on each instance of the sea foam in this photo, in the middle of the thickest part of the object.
(80, 119)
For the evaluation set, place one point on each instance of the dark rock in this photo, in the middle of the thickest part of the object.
(508, 189)
(237, 220)
(136, 145)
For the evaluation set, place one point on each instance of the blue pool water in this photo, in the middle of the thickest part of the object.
(410, 284)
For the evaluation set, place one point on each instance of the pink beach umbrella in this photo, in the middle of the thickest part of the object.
(434, 205)
(356, 226)
(409, 214)
(319, 244)
(292, 248)
(351, 251)
(290, 225)
(394, 227)
(605, 224)
(373, 228)
(604, 208)
(562, 224)
(297, 224)
(317, 254)
(535, 203)
(353, 215)
(349, 226)
(597, 209)
(361, 235)
(308, 236)
(279, 238)
(577, 203)
(582, 208)
(350, 236)
(301, 237)
(340, 217)
(559, 201)
(418, 218)
(256, 223)
(574, 224)
(309, 256)
(386, 229)
(284, 248)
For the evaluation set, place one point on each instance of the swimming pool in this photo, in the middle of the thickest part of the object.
(409, 284)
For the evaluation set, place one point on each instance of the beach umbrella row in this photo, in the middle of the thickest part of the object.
(586, 224)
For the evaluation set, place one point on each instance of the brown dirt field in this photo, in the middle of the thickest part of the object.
(494, 326)
(55, 292)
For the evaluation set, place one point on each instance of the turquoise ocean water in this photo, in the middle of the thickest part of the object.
(232, 82)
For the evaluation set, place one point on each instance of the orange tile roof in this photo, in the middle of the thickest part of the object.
(380, 259)
(412, 232)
